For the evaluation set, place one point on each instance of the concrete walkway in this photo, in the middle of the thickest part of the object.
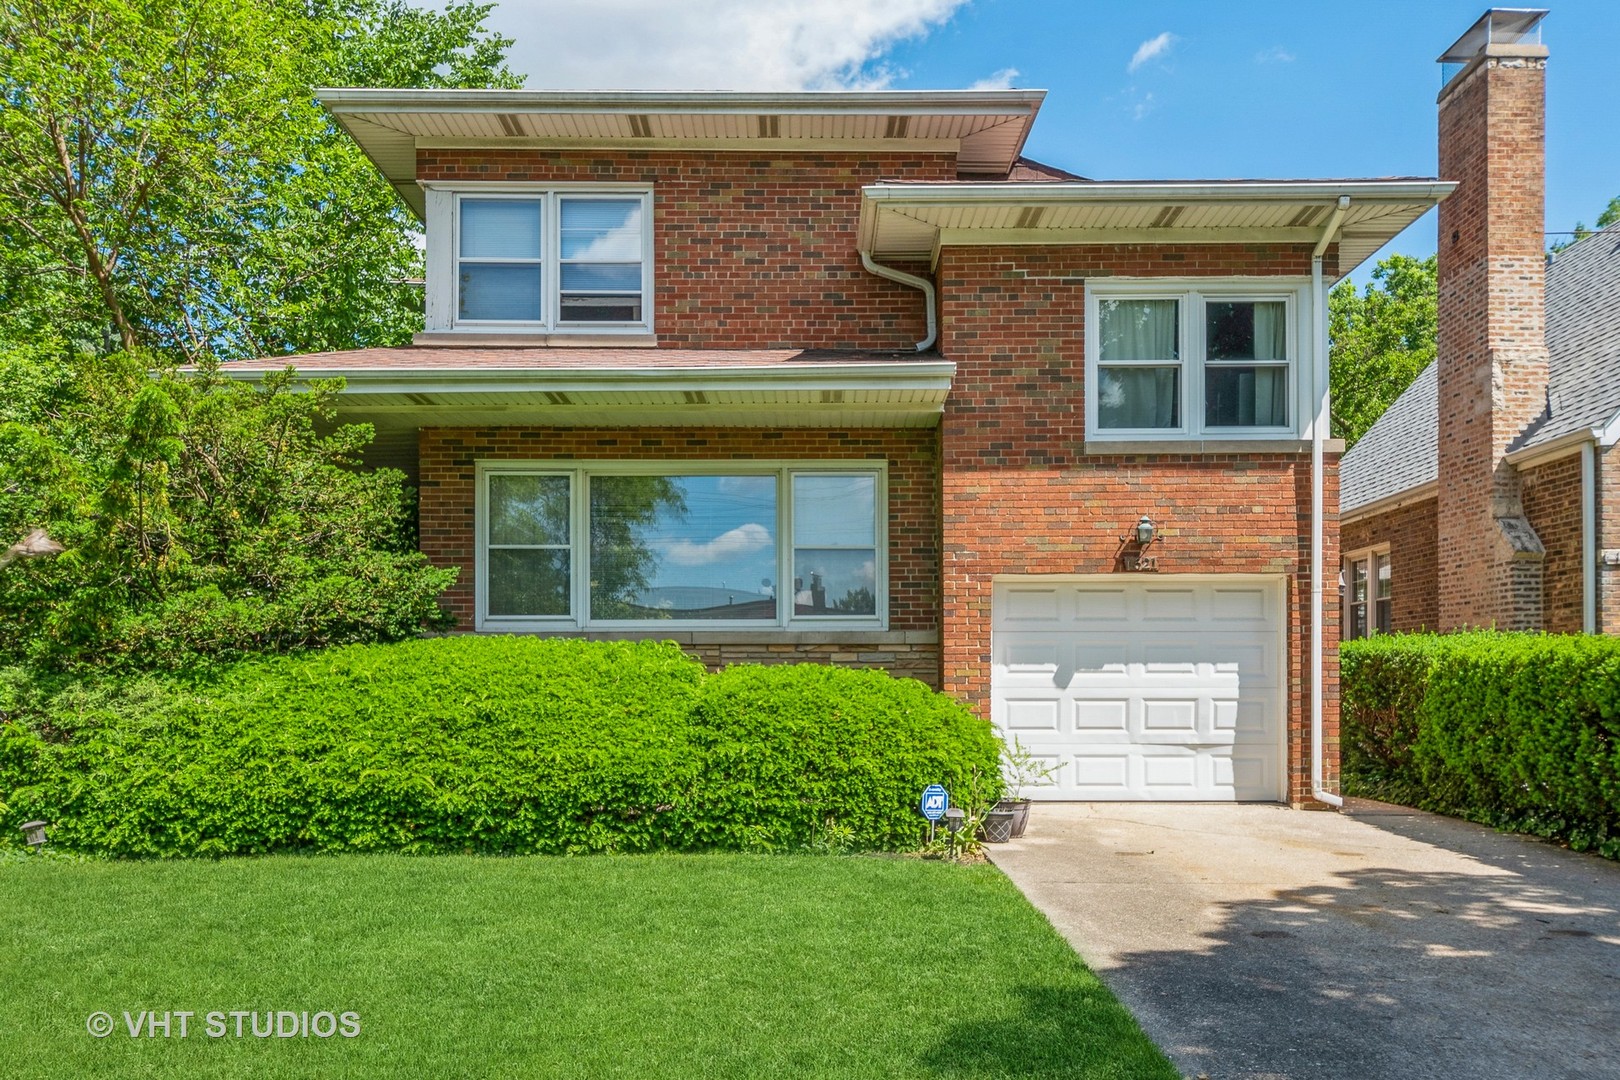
(1261, 942)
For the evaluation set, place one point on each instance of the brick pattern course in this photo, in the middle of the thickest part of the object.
(1022, 497)
(750, 250)
(1492, 348)
(1410, 533)
(1552, 502)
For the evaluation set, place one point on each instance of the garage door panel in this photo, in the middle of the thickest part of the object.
(1101, 605)
(1162, 689)
(1174, 605)
(1095, 716)
(1040, 714)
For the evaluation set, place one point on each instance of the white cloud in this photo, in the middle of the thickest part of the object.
(1000, 80)
(712, 44)
(1143, 106)
(1151, 49)
(1274, 55)
(736, 543)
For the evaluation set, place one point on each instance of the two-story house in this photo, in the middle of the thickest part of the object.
(842, 377)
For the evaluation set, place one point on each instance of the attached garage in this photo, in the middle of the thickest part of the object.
(1162, 688)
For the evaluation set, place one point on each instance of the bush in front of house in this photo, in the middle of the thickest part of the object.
(1519, 731)
(498, 745)
(806, 752)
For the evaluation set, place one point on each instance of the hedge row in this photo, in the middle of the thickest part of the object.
(1519, 731)
(484, 744)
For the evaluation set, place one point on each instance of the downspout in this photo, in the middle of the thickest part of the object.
(1589, 547)
(1319, 384)
(915, 282)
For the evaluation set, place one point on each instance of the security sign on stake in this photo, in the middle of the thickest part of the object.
(935, 801)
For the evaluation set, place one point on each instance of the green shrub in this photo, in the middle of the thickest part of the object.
(1519, 731)
(498, 745)
(790, 750)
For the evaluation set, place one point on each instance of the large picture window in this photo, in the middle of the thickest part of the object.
(555, 260)
(1168, 360)
(704, 544)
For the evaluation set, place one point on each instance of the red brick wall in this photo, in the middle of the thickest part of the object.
(1492, 351)
(1410, 533)
(448, 479)
(750, 250)
(1022, 497)
(1607, 469)
(1552, 502)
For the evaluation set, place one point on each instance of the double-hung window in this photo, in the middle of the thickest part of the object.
(747, 545)
(1178, 361)
(549, 261)
(1368, 598)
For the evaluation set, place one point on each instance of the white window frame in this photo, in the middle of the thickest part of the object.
(1372, 557)
(1193, 294)
(444, 257)
(580, 473)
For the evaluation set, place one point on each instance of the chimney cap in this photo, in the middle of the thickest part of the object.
(1498, 26)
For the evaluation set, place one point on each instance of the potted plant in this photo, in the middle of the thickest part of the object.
(1021, 770)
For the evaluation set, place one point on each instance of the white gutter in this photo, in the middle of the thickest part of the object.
(1319, 423)
(1589, 545)
(915, 282)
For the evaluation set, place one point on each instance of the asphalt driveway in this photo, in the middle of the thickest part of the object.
(1261, 942)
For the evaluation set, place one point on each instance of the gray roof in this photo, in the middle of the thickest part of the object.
(1398, 453)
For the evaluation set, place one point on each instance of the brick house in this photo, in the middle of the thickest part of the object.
(843, 377)
(1489, 493)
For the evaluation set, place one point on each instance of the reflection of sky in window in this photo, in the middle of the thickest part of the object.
(726, 538)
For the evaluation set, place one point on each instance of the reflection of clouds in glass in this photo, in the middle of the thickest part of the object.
(622, 244)
(735, 543)
(748, 487)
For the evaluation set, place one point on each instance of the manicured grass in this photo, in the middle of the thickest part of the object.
(637, 966)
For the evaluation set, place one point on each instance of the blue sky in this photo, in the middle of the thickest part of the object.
(1261, 89)
(1278, 89)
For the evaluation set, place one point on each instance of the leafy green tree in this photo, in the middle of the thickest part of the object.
(168, 181)
(1381, 339)
(202, 517)
(1609, 216)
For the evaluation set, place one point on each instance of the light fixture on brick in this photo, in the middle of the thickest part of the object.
(1135, 544)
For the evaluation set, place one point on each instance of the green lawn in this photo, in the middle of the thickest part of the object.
(653, 966)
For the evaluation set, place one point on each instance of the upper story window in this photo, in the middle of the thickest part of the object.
(541, 261)
(1167, 361)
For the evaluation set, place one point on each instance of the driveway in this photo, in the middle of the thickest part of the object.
(1262, 942)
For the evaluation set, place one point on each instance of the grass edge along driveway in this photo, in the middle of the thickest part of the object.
(609, 966)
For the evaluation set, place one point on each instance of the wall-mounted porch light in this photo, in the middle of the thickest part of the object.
(1134, 546)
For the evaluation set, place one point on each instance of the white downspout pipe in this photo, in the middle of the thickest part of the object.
(915, 282)
(1589, 545)
(1319, 424)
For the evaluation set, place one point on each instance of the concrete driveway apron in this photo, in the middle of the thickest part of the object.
(1260, 942)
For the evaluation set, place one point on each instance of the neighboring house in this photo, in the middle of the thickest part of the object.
(1489, 493)
(842, 377)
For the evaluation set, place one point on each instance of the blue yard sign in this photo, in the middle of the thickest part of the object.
(934, 802)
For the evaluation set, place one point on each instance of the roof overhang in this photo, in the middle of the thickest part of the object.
(877, 394)
(984, 129)
(913, 221)
(1427, 490)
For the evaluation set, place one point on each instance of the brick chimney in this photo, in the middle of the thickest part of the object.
(1492, 346)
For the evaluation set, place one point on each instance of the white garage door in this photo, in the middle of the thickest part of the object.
(1166, 688)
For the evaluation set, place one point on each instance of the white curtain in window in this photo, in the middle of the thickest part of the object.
(1138, 330)
(1138, 397)
(1270, 330)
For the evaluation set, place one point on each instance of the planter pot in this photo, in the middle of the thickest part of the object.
(998, 826)
(1020, 809)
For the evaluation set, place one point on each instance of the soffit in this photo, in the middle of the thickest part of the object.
(914, 220)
